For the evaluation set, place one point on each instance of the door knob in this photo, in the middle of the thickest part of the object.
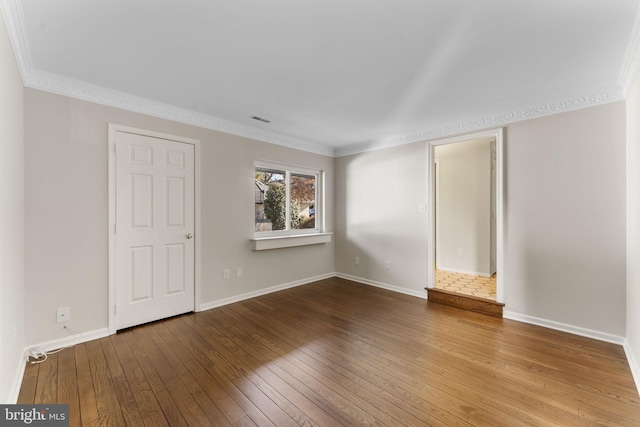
(189, 236)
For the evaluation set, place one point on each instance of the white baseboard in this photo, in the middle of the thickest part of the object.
(633, 363)
(420, 294)
(14, 391)
(576, 330)
(71, 340)
(457, 270)
(248, 295)
(48, 346)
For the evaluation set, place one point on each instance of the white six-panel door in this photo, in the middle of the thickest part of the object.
(154, 232)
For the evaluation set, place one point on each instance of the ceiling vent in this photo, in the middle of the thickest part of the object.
(260, 119)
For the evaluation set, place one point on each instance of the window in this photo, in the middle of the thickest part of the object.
(287, 200)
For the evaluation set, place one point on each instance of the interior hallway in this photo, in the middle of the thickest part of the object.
(468, 284)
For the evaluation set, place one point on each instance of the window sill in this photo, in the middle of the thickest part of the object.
(277, 242)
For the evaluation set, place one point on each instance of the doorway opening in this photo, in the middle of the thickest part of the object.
(465, 238)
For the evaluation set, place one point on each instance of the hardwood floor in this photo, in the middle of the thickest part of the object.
(338, 353)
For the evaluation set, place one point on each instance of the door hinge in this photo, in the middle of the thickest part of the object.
(115, 309)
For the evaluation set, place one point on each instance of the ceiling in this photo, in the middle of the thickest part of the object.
(332, 76)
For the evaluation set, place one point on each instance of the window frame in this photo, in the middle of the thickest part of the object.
(289, 170)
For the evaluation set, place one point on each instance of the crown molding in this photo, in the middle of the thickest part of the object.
(502, 119)
(49, 82)
(101, 95)
(631, 61)
(12, 13)
(14, 22)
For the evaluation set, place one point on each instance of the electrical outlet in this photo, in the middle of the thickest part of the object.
(387, 265)
(460, 252)
(226, 273)
(357, 260)
(239, 272)
(62, 314)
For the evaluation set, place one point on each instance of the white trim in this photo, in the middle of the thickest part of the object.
(113, 128)
(293, 168)
(111, 224)
(101, 95)
(197, 228)
(458, 270)
(277, 242)
(633, 363)
(436, 212)
(37, 79)
(55, 83)
(498, 135)
(71, 340)
(305, 235)
(563, 327)
(55, 344)
(14, 391)
(105, 96)
(431, 223)
(14, 22)
(607, 96)
(574, 330)
(412, 292)
(500, 217)
(260, 292)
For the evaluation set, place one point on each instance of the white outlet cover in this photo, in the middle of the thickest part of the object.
(62, 314)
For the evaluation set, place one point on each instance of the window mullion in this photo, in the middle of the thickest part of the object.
(317, 202)
(288, 201)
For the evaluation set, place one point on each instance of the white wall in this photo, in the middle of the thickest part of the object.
(464, 205)
(11, 222)
(633, 230)
(564, 212)
(564, 218)
(66, 213)
(378, 196)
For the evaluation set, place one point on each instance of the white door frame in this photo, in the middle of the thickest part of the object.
(498, 134)
(113, 128)
(436, 209)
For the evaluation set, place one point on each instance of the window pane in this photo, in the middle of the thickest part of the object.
(270, 200)
(303, 201)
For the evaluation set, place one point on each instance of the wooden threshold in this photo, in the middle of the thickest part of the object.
(465, 302)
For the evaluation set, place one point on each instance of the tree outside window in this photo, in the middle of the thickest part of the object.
(275, 190)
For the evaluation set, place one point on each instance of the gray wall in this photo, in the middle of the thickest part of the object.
(66, 212)
(464, 207)
(564, 217)
(633, 228)
(378, 195)
(11, 220)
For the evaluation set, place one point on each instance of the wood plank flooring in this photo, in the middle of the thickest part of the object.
(337, 353)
